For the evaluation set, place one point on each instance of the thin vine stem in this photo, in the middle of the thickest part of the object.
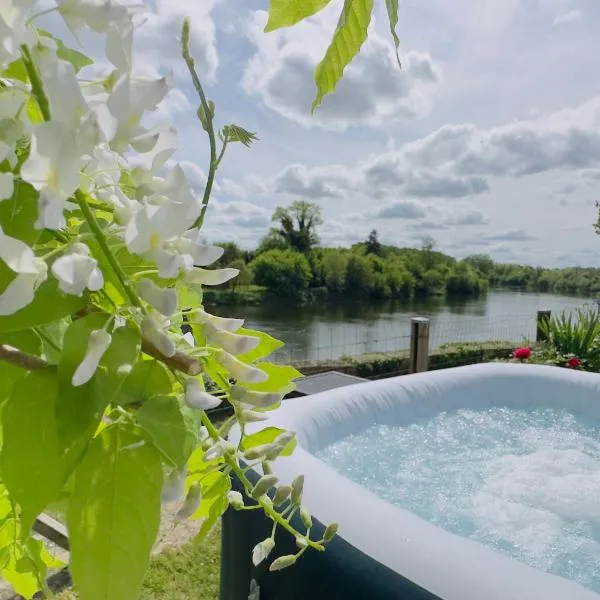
(208, 126)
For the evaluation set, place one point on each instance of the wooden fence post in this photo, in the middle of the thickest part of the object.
(543, 319)
(419, 344)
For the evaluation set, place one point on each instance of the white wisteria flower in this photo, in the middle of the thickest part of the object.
(227, 324)
(174, 488)
(77, 271)
(164, 215)
(255, 399)
(13, 28)
(98, 342)
(240, 370)
(7, 184)
(154, 329)
(164, 300)
(262, 550)
(211, 276)
(53, 169)
(230, 342)
(182, 254)
(128, 101)
(30, 273)
(196, 397)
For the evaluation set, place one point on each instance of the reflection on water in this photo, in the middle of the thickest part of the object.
(332, 330)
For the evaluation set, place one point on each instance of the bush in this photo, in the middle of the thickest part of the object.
(284, 272)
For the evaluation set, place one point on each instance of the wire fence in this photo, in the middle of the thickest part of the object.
(332, 341)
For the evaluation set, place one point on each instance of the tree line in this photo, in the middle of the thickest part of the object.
(289, 263)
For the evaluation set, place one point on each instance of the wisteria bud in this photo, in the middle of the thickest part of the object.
(297, 489)
(236, 500)
(262, 550)
(305, 516)
(192, 502)
(263, 485)
(282, 494)
(330, 532)
(283, 562)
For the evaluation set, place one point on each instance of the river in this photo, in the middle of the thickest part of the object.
(330, 331)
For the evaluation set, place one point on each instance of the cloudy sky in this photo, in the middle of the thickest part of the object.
(488, 140)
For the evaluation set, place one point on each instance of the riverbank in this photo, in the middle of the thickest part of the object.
(390, 364)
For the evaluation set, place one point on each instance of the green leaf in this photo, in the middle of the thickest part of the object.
(281, 379)
(283, 13)
(266, 436)
(16, 70)
(79, 409)
(267, 345)
(19, 213)
(235, 133)
(121, 357)
(27, 566)
(214, 501)
(26, 340)
(148, 377)
(349, 36)
(77, 59)
(49, 304)
(171, 428)
(31, 461)
(392, 11)
(114, 514)
(52, 336)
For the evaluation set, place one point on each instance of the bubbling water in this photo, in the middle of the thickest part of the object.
(524, 482)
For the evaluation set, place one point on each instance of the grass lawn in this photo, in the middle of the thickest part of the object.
(187, 573)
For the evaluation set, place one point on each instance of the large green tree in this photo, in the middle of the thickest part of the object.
(298, 224)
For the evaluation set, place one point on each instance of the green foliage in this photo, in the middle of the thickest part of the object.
(285, 272)
(31, 457)
(214, 486)
(463, 280)
(118, 483)
(283, 13)
(349, 36)
(171, 428)
(575, 336)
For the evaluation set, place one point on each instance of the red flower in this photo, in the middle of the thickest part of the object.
(522, 353)
(574, 363)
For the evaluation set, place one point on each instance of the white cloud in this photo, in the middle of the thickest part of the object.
(225, 215)
(374, 91)
(467, 218)
(569, 17)
(457, 161)
(401, 210)
(158, 40)
(515, 235)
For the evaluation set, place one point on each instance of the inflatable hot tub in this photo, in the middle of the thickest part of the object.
(383, 551)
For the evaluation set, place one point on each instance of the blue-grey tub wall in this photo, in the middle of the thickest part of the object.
(383, 551)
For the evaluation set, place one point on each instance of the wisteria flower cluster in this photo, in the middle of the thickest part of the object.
(103, 398)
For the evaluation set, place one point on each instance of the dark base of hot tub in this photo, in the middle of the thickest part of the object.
(342, 572)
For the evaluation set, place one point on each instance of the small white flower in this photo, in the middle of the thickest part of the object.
(98, 343)
(13, 29)
(250, 416)
(128, 101)
(163, 216)
(174, 488)
(154, 328)
(77, 271)
(7, 185)
(255, 399)
(211, 277)
(215, 451)
(164, 300)
(241, 371)
(262, 550)
(202, 317)
(30, 273)
(196, 397)
(230, 342)
(53, 169)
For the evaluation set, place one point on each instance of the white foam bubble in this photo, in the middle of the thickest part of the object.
(526, 483)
